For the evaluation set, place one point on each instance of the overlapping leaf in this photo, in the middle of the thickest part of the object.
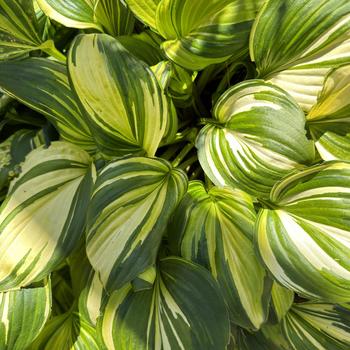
(200, 33)
(23, 314)
(332, 110)
(125, 107)
(67, 332)
(297, 54)
(43, 85)
(317, 326)
(13, 151)
(44, 214)
(257, 136)
(110, 16)
(20, 30)
(281, 301)
(304, 239)
(215, 228)
(331, 146)
(129, 210)
(184, 310)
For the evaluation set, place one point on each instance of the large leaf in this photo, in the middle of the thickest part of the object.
(67, 332)
(20, 30)
(305, 239)
(279, 39)
(23, 314)
(331, 146)
(297, 54)
(317, 326)
(184, 310)
(257, 136)
(43, 85)
(110, 16)
(130, 207)
(199, 33)
(44, 214)
(332, 110)
(215, 228)
(125, 106)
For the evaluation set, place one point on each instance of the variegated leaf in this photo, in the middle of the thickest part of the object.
(184, 310)
(145, 46)
(67, 332)
(199, 33)
(125, 107)
(43, 85)
(332, 110)
(298, 55)
(44, 214)
(110, 16)
(23, 314)
(20, 31)
(318, 326)
(13, 151)
(281, 301)
(130, 207)
(331, 146)
(257, 136)
(304, 239)
(215, 228)
(145, 10)
(270, 337)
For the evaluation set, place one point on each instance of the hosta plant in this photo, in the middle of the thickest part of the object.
(175, 174)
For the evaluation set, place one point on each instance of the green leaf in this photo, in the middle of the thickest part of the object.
(281, 301)
(270, 337)
(110, 16)
(43, 216)
(145, 46)
(305, 240)
(130, 207)
(67, 332)
(19, 30)
(332, 110)
(13, 151)
(125, 107)
(23, 314)
(257, 136)
(215, 228)
(331, 146)
(318, 326)
(199, 33)
(280, 40)
(297, 54)
(184, 310)
(43, 85)
(145, 10)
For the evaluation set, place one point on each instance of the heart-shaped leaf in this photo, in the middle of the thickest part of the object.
(257, 136)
